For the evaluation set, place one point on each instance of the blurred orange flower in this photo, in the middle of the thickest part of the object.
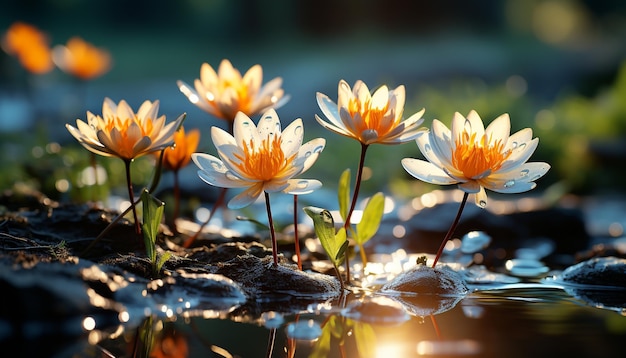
(30, 46)
(226, 92)
(81, 59)
(179, 155)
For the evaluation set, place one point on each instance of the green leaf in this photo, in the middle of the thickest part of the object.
(334, 245)
(152, 215)
(343, 193)
(162, 260)
(370, 221)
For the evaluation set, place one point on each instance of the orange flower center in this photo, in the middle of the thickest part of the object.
(244, 101)
(475, 157)
(265, 162)
(126, 144)
(373, 117)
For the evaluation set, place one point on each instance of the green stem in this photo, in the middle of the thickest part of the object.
(132, 196)
(272, 232)
(452, 228)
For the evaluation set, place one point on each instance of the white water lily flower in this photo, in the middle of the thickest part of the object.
(122, 133)
(476, 158)
(369, 118)
(260, 158)
(226, 92)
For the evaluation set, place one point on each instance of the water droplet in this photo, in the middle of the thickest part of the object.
(298, 130)
(318, 149)
(268, 118)
(514, 145)
(509, 183)
(246, 123)
(524, 172)
(482, 203)
(307, 154)
(427, 147)
(302, 184)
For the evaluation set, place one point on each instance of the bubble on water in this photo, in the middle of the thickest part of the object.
(308, 330)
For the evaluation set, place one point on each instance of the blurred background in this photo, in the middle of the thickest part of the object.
(557, 66)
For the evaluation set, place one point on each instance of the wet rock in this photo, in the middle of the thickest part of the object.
(259, 277)
(424, 290)
(599, 282)
(608, 272)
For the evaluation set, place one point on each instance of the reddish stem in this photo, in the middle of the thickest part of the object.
(131, 196)
(295, 231)
(271, 225)
(355, 195)
(451, 230)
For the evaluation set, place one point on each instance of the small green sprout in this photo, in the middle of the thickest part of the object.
(152, 215)
(335, 244)
(371, 218)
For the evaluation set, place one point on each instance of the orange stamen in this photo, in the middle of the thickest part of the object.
(476, 157)
(265, 162)
(372, 116)
(125, 146)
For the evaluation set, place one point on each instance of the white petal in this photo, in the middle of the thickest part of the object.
(246, 197)
(470, 187)
(519, 137)
(309, 152)
(302, 186)
(292, 137)
(244, 129)
(269, 124)
(481, 198)
(519, 155)
(333, 128)
(441, 143)
(499, 129)
(427, 172)
(329, 108)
